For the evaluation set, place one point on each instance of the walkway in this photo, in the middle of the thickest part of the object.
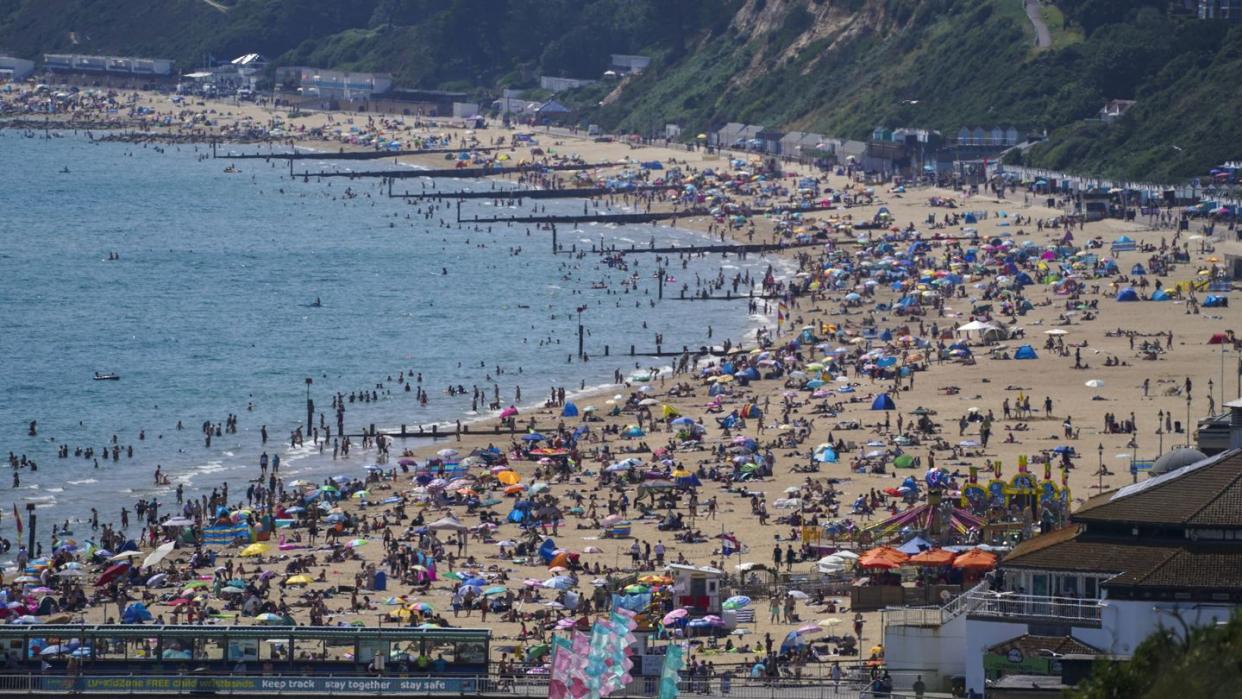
(1043, 37)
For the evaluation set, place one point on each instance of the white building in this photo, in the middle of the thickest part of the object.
(121, 65)
(554, 85)
(623, 63)
(1154, 554)
(15, 68)
(337, 84)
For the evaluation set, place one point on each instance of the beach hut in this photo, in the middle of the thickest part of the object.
(1127, 294)
(1025, 352)
(883, 402)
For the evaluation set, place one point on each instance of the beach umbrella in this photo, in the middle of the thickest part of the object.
(799, 595)
(126, 555)
(736, 602)
(559, 582)
(299, 580)
(809, 629)
(230, 591)
(112, 573)
(675, 616)
(159, 554)
(975, 560)
(829, 622)
(257, 549)
(177, 522)
(447, 453)
(269, 618)
(1094, 383)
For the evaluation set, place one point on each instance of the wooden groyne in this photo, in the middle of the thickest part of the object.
(571, 193)
(462, 172)
(349, 155)
(644, 217)
(727, 248)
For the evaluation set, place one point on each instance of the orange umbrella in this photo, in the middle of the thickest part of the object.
(976, 559)
(885, 557)
(508, 477)
(514, 489)
(933, 557)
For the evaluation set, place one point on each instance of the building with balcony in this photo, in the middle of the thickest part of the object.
(1163, 552)
(120, 65)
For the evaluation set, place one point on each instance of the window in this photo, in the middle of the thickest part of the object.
(1091, 589)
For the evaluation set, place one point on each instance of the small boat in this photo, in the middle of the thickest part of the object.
(107, 377)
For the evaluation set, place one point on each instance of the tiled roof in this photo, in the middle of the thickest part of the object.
(1208, 494)
(1134, 562)
(1033, 646)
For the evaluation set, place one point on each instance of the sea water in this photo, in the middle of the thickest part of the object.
(208, 311)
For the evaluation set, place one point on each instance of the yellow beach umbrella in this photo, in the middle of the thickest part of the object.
(254, 550)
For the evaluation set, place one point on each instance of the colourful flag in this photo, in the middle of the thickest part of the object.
(673, 659)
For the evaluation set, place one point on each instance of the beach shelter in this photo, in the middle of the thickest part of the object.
(1160, 295)
(1138, 270)
(1219, 339)
(1127, 294)
(883, 402)
(1215, 301)
(883, 557)
(570, 410)
(1025, 352)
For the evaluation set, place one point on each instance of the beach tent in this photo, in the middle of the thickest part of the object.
(1025, 352)
(883, 402)
(1219, 339)
(1127, 294)
(570, 410)
(1138, 270)
(1123, 244)
(1160, 295)
(136, 613)
(915, 545)
(547, 551)
(1216, 302)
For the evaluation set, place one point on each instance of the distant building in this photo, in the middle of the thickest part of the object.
(465, 109)
(1115, 109)
(335, 84)
(622, 63)
(119, 65)
(734, 135)
(1228, 10)
(555, 85)
(15, 68)
(995, 136)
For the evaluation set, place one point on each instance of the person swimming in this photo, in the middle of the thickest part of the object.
(317, 303)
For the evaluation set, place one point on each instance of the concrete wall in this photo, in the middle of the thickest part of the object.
(935, 652)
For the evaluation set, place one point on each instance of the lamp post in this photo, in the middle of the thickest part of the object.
(1100, 472)
(1188, 419)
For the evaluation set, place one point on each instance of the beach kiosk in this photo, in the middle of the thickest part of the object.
(696, 588)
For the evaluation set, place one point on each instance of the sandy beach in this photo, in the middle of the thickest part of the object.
(1083, 338)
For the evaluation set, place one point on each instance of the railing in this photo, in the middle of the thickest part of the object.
(1060, 609)
(936, 616)
(383, 685)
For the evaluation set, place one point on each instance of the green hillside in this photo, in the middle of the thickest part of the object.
(840, 67)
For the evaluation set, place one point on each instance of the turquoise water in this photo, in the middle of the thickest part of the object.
(207, 312)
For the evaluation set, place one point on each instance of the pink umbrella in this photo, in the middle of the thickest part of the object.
(675, 615)
(809, 629)
(508, 412)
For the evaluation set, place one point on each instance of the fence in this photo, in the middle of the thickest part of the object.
(1061, 609)
(359, 685)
